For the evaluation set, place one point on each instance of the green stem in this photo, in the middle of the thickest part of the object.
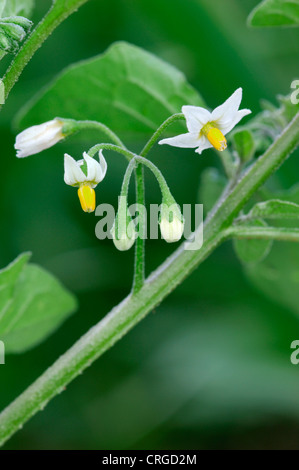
(86, 125)
(155, 170)
(127, 178)
(230, 166)
(139, 268)
(135, 307)
(159, 132)
(115, 148)
(263, 233)
(59, 11)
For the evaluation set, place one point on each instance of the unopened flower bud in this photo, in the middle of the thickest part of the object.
(123, 230)
(171, 223)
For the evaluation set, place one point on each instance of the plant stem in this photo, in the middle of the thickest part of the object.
(139, 268)
(228, 163)
(161, 282)
(59, 11)
(155, 170)
(159, 132)
(263, 233)
(85, 125)
(115, 148)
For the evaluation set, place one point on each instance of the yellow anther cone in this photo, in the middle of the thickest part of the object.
(87, 198)
(217, 139)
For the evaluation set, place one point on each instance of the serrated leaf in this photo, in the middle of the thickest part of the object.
(243, 142)
(275, 13)
(253, 251)
(126, 88)
(16, 8)
(32, 305)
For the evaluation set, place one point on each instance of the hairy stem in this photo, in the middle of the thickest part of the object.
(60, 10)
(156, 136)
(85, 125)
(139, 269)
(264, 233)
(161, 282)
(114, 148)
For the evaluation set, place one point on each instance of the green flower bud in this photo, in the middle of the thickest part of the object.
(13, 30)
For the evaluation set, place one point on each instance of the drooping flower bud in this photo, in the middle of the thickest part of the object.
(171, 222)
(35, 139)
(123, 230)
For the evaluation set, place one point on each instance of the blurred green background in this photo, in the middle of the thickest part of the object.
(210, 368)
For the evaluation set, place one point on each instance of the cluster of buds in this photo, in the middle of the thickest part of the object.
(13, 30)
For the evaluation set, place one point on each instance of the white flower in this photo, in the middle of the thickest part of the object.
(172, 223)
(85, 174)
(207, 129)
(37, 138)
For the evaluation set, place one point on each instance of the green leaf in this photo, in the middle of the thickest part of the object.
(211, 187)
(16, 8)
(278, 276)
(275, 13)
(275, 209)
(243, 142)
(126, 88)
(32, 305)
(2, 6)
(253, 251)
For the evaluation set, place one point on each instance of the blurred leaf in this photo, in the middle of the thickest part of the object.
(32, 305)
(278, 276)
(253, 251)
(16, 8)
(212, 184)
(126, 88)
(244, 144)
(275, 209)
(275, 13)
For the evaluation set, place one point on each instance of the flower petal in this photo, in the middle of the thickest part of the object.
(103, 164)
(196, 117)
(227, 125)
(73, 175)
(37, 138)
(189, 140)
(229, 108)
(95, 171)
(204, 144)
